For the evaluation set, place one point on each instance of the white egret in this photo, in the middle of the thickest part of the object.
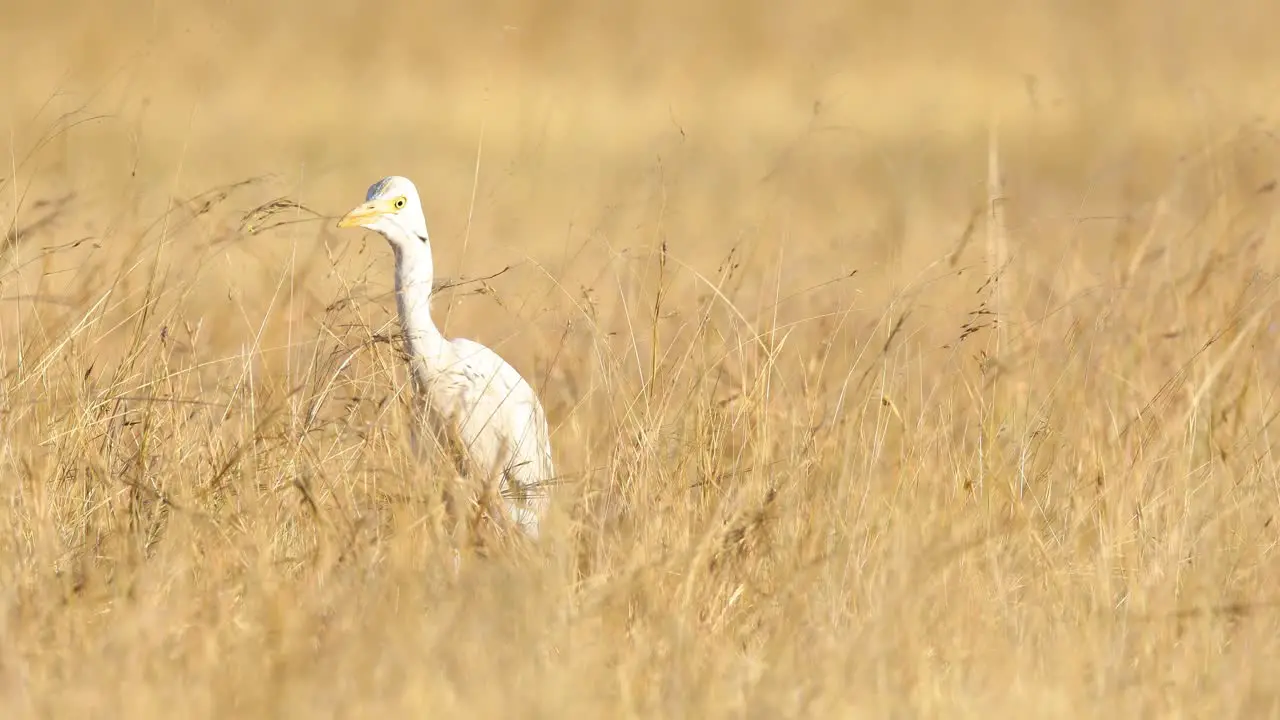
(474, 403)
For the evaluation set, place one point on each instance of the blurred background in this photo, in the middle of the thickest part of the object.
(821, 137)
(751, 106)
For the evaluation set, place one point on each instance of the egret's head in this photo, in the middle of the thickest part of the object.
(391, 208)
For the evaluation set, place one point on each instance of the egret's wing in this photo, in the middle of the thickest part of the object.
(502, 406)
(505, 429)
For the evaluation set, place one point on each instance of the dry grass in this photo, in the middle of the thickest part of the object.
(842, 435)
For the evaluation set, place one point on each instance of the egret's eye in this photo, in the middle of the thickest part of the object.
(399, 203)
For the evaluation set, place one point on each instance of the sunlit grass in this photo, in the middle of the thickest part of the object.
(845, 427)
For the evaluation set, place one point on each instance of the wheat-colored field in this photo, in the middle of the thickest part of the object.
(903, 358)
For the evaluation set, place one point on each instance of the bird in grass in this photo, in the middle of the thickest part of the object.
(475, 404)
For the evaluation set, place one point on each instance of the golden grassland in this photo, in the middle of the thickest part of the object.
(859, 412)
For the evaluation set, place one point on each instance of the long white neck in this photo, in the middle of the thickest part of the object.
(415, 273)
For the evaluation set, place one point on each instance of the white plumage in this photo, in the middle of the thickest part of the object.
(467, 395)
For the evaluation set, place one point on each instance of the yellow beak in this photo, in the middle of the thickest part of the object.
(366, 213)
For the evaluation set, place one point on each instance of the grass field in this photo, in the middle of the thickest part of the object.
(903, 358)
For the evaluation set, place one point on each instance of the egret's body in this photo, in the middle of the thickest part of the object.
(471, 399)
